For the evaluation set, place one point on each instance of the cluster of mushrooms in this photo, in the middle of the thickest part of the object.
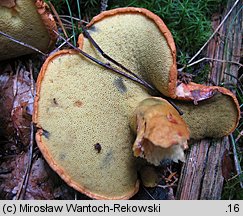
(95, 126)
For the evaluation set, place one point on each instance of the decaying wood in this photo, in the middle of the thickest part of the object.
(201, 176)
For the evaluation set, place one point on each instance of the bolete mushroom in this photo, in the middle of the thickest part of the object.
(216, 113)
(27, 21)
(161, 132)
(85, 113)
(138, 39)
(78, 105)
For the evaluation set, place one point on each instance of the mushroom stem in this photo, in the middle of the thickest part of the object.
(161, 132)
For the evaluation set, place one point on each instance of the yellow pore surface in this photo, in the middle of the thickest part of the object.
(214, 117)
(82, 104)
(135, 41)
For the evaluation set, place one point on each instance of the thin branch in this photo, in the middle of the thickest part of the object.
(31, 78)
(61, 45)
(239, 136)
(58, 18)
(109, 67)
(238, 81)
(210, 59)
(106, 56)
(237, 163)
(148, 193)
(21, 193)
(22, 43)
(71, 17)
(216, 30)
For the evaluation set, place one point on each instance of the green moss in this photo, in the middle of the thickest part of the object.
(232, 190)
(188, 20)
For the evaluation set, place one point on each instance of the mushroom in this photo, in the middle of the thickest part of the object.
(138, 39)
(161, 132)
(79, 104)
(216, 113)
(29, 22)
(86, 114)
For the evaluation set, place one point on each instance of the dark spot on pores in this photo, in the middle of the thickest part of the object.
(97, 147)
(92, 29)
(107, 160)
(62, 156)
(119, 83)
(55, 101)
(45, 133)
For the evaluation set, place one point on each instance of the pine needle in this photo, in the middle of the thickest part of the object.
(70, 13)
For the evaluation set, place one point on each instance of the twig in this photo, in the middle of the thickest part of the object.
(22, 43)
(234, 177)
(15, 86)
(239, 136)
(237, 164)
(22, 190)
(210, 59)
(169, 185)
(216, 30)
(58, 18)
(107, 66)
(74, 18)
(134, 77)
(61, 45)
(106, 56)
(103, 5)
(148, 193)
(239, 84)
(31, 78)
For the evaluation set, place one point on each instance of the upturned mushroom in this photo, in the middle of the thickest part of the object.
(161, 132)
(27, 21)
(209, 111)
(86, 113)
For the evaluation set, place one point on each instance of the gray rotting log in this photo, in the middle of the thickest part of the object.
(201, 176)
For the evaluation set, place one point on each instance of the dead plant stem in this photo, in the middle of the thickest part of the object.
(216, 30)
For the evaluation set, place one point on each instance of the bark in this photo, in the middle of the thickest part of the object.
(201, 176)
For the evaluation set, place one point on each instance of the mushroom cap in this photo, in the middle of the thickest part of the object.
(145, 42)
(79, 104)
(161, 131)
(29, 22)
(216, 114)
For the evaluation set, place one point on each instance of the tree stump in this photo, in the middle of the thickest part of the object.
(201, 176)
